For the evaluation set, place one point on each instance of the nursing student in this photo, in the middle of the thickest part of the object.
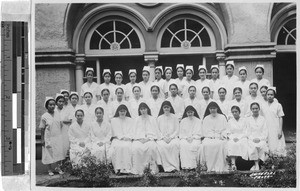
(205, 101)
(189, 72)
(176, 101)
(146, 83)
(202, 82)
(66, 94)
(106, 104)
(168, 144)
(214, 128)
(192, 100)
(260, 80)
(118, 80)
(257, 133)
(79, 138)
(88, 107)
(190, 138)
(122, 133)
(90, 86)
(168, 81)
(237, 145)
(215, 82)
(154, 102)
(158, 80)
(135, 102)
(253, 97)
(144, 148)
(100, 134)
(238, 101)
(128, 87)
(51, 137)
(180, 81)
(107, 84)
(273, 113)
(243, 82)
(229, 79)
(222, 102)
(119, 92)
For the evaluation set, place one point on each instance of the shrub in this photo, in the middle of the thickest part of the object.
(149, 179)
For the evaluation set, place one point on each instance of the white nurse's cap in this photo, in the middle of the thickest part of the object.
(272, 88)
(159, 68)
(214, 66)
(119, 72)
(47, 99)
(242, 68)
(74, 93)
(259, 66)
(179, 66)
(132, 71)
(202, 67)
(168, 68)
(146, 68)
(89, 69)
(230, 62)
(58, 95)
(63, 91)
(106, 71)
(190, 67)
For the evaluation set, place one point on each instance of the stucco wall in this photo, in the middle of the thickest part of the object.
(49, 27)
(49, 81)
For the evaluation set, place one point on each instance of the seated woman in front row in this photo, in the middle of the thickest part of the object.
(214, 144)
(144, 148)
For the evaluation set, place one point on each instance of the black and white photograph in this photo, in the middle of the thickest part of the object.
(175, 94)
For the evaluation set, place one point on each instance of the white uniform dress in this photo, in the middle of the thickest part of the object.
(121, 153)
(180, 84)
(128, 90)
(167, 85)
(237, 129)
(214, 149)
(146, 89)
(144, 154)
(107, 107)
(272, 112)
(63, 113)
(185, 91)
(110, 87)
(244, 86)
(249, 100)
(89, 112)
(257, 128)
(160, 84)
(203, 105)
(224, 106)
(134, 107)
(154, 105)
(200, 85)
(90, 87)
(215, 85)
(78, 134)
(100, 134)
(53, 149)
(229, 85)
(114, 97)
(189, 152)
(241, 104)
(169, 127)
(262, 82)
(178, 105)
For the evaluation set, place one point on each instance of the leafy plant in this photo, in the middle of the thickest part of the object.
(149, 179)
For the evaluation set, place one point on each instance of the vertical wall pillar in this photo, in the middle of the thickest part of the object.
(221, 58)
(151, 59)
(79, 61)
(204, 61)
(98, 71)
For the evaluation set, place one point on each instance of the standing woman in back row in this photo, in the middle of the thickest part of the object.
(230, 79)
(168, 81)
(181, 80)
(90, 86)
(259, 72)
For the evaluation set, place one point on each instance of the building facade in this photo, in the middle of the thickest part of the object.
(71, 37)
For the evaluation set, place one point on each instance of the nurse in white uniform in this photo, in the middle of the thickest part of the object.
(215, 82)
(180, 81)
(90, 86)
(229, 79)
(243, 82)
(146, 83)
(189, 72)
(158, 80)
(107, 84)
(128, 87)
(260, 80)
(168, 81)
(202, 82)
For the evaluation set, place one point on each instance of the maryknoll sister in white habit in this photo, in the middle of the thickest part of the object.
(168, 144)
(100, 134)
(190, 138)
(144, 148)
(122, 131)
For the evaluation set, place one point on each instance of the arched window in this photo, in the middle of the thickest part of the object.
(113, 37)
(287, 34)
(188, 35)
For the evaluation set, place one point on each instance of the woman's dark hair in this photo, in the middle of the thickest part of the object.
(121, 107)
(144, 105)
(78, 111)
(119, 88)
(58, 98)
(205, 87)
(242, 70)
(155, 86)
(236, 107)
(254, 103)
(136, 87)
(105, 89)
(254, 84)
(192, 87)
(263, 70)
(266, 87)
(173, 85)
(271, 90)
(238, 88)
(47, 102)
(223, 89)
(166, 103)
(100, 109)
(88, 93)
(190, 108)
(70, 97)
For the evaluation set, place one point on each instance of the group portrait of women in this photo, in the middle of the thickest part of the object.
(168, 124)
